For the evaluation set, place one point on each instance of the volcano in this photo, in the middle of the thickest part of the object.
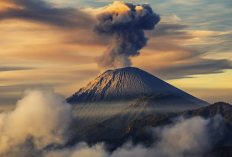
(114, 90)
(126, 84)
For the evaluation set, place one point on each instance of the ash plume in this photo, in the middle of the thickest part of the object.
(126, 23)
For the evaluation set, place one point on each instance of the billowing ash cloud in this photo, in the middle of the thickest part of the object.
(126, 23)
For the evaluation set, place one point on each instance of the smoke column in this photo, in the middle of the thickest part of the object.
(126, 23)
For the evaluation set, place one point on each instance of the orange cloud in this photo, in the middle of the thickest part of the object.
(32, 41)
(4, 5)
(66, 79)
(211, 95)
(117, 8)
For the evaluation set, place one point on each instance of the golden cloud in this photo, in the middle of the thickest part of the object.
(4, 5)
(117, 8)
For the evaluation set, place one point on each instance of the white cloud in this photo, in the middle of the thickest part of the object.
(185, 138)
(41, 117)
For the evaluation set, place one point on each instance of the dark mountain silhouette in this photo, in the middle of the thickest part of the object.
(220, 152)
(137, 129)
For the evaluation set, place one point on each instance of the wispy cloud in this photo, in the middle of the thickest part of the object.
(44, 12)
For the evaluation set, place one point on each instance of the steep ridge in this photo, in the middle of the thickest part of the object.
(148, 105)
(138, 127)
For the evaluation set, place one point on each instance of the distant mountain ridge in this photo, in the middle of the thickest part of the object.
(220, 108)
(146, 106)
(137, 129)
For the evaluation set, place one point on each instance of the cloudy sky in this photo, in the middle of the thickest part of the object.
(52, 43)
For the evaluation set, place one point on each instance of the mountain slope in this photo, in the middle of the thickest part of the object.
(145, 106)
(138, 127)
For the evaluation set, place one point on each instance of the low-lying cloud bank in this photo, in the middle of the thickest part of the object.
(185, 138)
(42, 118)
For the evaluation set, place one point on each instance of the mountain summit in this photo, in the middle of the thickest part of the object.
(126, 84)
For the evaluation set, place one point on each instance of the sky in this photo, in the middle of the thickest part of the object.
(52, 43)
